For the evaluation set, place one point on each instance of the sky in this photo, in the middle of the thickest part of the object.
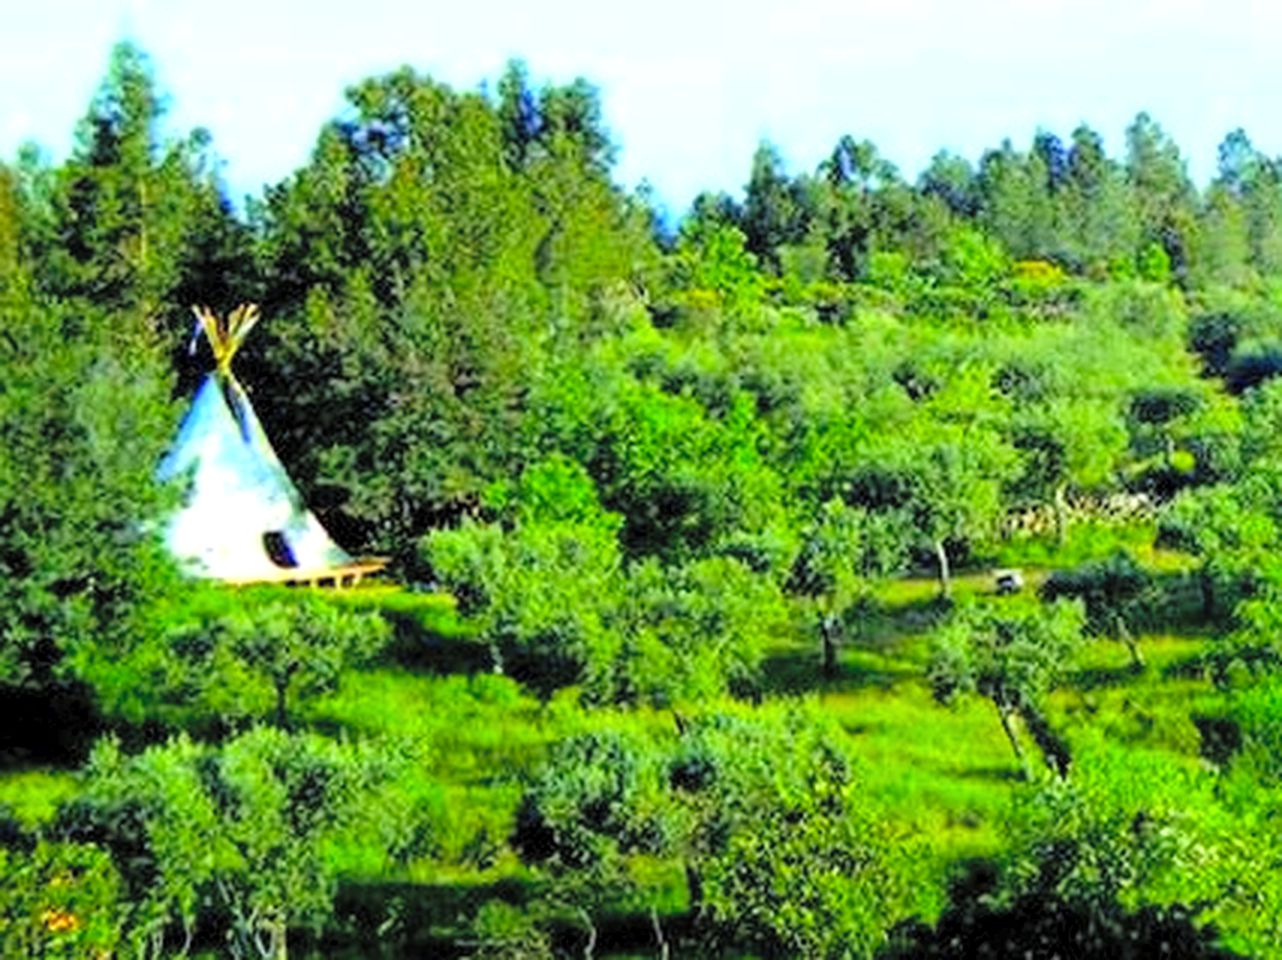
(689, 88)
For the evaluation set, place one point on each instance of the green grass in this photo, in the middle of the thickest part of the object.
(477, 727)
(948, 773)
(919, 590)
(1145, 709)
(942, 778)
(942, 773)
(33, 795)
(1082, 542)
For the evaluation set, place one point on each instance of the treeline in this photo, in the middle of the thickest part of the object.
(1065, 203)
(640, 462)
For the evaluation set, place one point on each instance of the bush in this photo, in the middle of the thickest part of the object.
(696, 631)
(217, 659)
(762, 808)
(788, 857)
(241, 829)
(1252, 366)
(1119, 597)
(61, 900)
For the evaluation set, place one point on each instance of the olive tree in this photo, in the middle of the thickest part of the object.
(599, 800)
(841, 550)
(221, 658)
(762, 807)
(539, 585)
(1117, 595)
(785, 856)
(239, 828)
(1012, 655)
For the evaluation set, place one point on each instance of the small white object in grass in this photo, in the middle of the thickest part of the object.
(1008, 581)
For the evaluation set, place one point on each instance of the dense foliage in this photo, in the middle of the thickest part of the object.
(690, 643)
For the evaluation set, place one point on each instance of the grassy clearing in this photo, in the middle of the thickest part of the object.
(943, 777)
(1149, 709)
(32, 796)
(1083, 542)
(948, 772)
(942, 773)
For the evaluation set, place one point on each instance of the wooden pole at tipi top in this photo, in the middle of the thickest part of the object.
(226, 336)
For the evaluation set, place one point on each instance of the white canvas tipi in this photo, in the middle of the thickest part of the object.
(242, 519)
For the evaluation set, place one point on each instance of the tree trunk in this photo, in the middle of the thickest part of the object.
(694, 887)
(1004, 713)
(1124, 634)
(589, 948)
(1207, 583)
(280, 950)
(658, 934)
(281, 681)
(1061, 515)
(1054, 750)
(829, 640)
(282, 716)
(240, 939)
(945, 577)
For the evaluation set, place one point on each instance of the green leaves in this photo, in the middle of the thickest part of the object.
(243, 825)
(696, 630)
(541, 593)
(59, 901)
(215, 658)
(554, 599)
(429, 264)
(1009, 652)
(762, 808)
(1012, 654)
(1128, 829)
(1117, 594)
(790, 858)
(595, 801)
(83, 418)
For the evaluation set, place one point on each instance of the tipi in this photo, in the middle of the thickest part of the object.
(242, 519)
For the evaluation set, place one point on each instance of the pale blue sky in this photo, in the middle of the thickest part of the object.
(689, 88)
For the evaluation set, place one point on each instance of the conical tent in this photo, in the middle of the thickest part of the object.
(242, 519)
